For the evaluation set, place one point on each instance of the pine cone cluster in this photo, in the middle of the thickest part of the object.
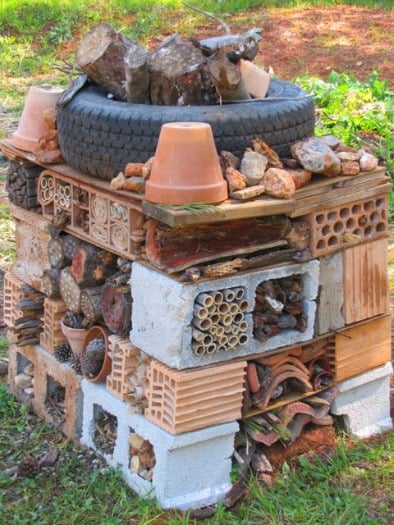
(63, 353)
(93, 357)
(73, 320)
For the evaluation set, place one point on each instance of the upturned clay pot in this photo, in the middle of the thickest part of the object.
(98, 332)
(31, 126)
(75, 337)
(186, 167)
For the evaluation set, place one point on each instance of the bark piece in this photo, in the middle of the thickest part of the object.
(259, 146)
(116, 307)
(101, 55)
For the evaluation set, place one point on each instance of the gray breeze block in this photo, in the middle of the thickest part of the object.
(181, 478)
(163, 310)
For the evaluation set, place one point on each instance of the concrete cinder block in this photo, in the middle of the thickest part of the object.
(192, 469)
(48, 372)
(364, 401)
(162, 319)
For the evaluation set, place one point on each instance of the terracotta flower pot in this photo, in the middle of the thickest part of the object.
(98, 332)
(75, 337)
(31, 125)
(186, 168)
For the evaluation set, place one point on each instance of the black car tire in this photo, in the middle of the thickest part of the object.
(99, 136)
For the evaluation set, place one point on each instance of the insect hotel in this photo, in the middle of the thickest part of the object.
(161, 310)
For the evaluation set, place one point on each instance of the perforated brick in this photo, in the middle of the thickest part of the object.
(334, 228)
(52, 334)
(127, 380)
(181, 401)
(12, 294)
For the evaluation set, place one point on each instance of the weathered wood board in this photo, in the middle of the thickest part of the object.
(365, 281)
(362, 347)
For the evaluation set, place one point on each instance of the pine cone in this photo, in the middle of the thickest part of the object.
(75, 364)
(28, 467)
(93, 357)
(73, 320)
(63, 353)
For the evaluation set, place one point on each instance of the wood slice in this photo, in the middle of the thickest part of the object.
(51, 282)
(101, 56)
(91, 266)
(70, 290)
(56, 255)
(70, 246)
(116, 308)
(91, 304)
(180, 77)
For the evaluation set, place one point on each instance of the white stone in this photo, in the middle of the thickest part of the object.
(192, 469)
(253, 166)
(163, 312)
(368, 162)
(364, 401)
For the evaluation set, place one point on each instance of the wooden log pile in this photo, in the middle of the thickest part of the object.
(29, 324)
(21, 184)
(177, 72)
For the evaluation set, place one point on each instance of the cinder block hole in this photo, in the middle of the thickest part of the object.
(105, 430)
(219, 322)
(24, 378)
(142, 456)
(279, 306)
(55, 401)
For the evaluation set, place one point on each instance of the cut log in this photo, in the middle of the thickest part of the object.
(180, 77)
(21, 184)
(70, 290)
(91, 266)
(91, 304)
(227, 78)
(116, 308)
(51, 282)
(101, 56)
(56, 255)
(137, 75)
(70, 246)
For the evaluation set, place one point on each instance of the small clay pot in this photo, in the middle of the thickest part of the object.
(32, 125)
(75, 337)
(98, 332)
(186, 166)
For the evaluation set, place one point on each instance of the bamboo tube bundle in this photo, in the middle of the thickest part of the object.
(219, 322)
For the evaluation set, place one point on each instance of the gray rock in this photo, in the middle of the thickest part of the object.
(331, 141)
(315, 156)
(253, 166)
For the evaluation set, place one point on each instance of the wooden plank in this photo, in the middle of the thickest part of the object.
(362, 347)
(333, 200)
(365, 280)
(329, 315)
(228, 210)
